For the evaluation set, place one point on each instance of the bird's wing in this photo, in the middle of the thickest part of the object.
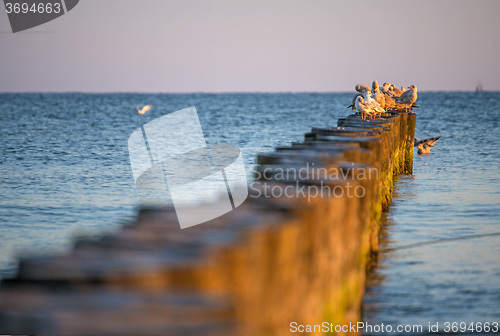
(373, 105)
(389, 101)
(379, 97)
(405, 97)
(427, 142)
(361, 106)
(354, 98)
(431, 141)
(365, 104)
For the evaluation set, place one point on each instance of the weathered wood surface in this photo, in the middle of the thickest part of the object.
(298, 257)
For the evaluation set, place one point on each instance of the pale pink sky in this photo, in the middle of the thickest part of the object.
(240, 45)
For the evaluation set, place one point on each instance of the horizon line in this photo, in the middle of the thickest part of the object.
(214, 92)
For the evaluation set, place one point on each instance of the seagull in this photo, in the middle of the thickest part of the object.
(353, 103)
(361, 89)
(396, 92)
(372, 103)
(366, 107)
(144, 109)
(390, 103)
(361, 107)
(424, 146)
(428, 141)
(409, 97)
(378, 95)
(385, 88)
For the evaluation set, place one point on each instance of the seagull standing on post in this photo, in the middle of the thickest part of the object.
(372, 103)
(367, 107)
(361, 89)
(362, 107)
(378, 95)
(408, 97)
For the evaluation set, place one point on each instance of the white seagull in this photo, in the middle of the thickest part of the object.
(372, 103)
(366, 108)
(361, 89)
(144, 109)
(361, 107)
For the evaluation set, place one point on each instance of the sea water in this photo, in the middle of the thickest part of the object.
(65, 171)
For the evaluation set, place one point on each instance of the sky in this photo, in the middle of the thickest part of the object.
(255, 46)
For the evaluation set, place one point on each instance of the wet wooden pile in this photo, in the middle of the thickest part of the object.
(297, 250)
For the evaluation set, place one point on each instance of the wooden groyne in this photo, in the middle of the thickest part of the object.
(297, 250)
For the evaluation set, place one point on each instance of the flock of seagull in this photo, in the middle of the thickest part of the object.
(382, 100)
(376, 100)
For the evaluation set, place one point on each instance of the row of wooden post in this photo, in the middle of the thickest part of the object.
(296, 251)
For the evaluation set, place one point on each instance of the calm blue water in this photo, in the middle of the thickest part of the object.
(64, 162)
(454, 192)
(65, 170)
